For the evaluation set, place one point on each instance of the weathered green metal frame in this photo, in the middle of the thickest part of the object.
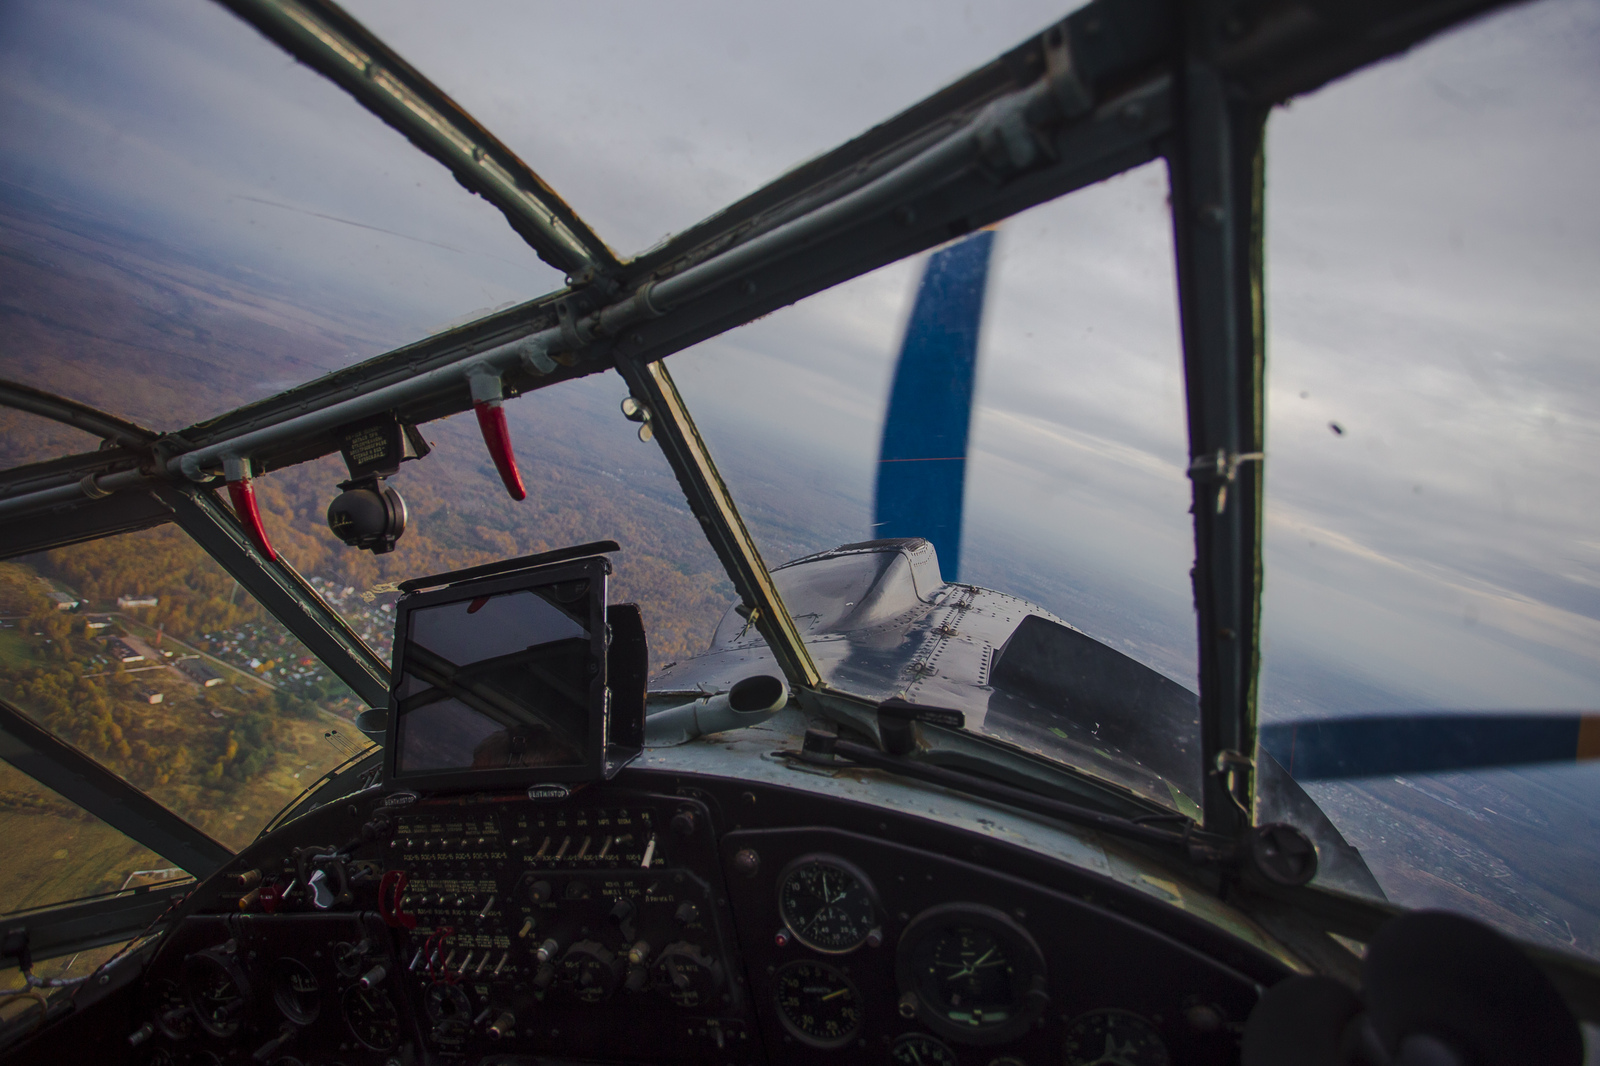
(326, 39)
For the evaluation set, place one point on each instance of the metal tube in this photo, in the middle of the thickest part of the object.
(498, 359)
(69, 493)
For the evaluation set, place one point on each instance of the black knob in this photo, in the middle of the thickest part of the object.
(539, 891)
(638, 977)
(622, 912)
(687, 914)
(683, 823)
(544, 975)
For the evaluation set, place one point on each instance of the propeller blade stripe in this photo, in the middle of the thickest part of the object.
(922, 461)
(1385, 745)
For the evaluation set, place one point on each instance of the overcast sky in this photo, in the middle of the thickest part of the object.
(1432, 266)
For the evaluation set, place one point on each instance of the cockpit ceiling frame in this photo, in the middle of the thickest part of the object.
(326, 39)
(1116, 84)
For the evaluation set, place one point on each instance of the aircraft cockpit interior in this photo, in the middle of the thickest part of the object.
(390, 681)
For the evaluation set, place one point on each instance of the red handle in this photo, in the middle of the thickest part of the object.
(390, 888)
(497, 438)
(243, 495)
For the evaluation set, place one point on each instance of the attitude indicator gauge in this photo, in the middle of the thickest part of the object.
(827, 904)
(974, 974)
(818, 1004)
(1115, 1038)
(296, 991)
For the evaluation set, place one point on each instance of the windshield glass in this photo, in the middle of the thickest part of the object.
(647, 128)
(190, 220)
(1075, 496)
(588, 478)
(140, 651)
(1434, 415)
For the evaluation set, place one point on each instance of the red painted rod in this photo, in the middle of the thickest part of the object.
(497, 438)
(243, 495)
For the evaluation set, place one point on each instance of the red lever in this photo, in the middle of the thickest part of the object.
(243, 494)
(492, 420)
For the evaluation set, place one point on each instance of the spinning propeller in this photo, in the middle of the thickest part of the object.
(920, 487)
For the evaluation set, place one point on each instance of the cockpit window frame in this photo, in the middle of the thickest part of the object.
(1116, 84)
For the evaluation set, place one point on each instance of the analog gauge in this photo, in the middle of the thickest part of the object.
(920, 1049)
(296, 991)
(827, 904)
(216, 989)
(173, 1016)
(976, 975)
(372, 1016)
(452, 1032)
(685, 974)
(445, 1002)
(1114, 1038)
(818, 1004)
(591, 971)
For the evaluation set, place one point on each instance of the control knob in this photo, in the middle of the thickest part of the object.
(686, 974)
(591, 971)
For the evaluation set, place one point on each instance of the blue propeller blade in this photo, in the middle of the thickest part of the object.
(922, 464)
(1386, 745)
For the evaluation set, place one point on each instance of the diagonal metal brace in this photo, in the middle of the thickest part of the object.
(281, 590)
(64, 769)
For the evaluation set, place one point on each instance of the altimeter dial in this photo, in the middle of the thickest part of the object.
(818, 1004)
(827, 904)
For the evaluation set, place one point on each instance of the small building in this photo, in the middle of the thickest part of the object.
(97, 621)
(126, 602)
(199, 673)
(151, 695)
(63, 601)
(123, 651)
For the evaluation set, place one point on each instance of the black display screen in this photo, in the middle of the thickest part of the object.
(497, 678)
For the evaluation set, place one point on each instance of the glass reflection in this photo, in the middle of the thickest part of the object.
(1432, 253)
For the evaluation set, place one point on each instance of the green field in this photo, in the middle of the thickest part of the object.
(15, 649)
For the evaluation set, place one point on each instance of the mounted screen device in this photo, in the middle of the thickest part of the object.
(515, 674)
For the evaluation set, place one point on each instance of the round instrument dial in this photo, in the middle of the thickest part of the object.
(827, 904)
(216, 990)
(445, 1002)
(296, 991)
(920, 1049)
(1114, 1038)
(591, 971)
(372, 1017)
(977, 976)
(818, 1004)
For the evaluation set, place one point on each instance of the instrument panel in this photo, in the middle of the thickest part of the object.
(625, 924)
